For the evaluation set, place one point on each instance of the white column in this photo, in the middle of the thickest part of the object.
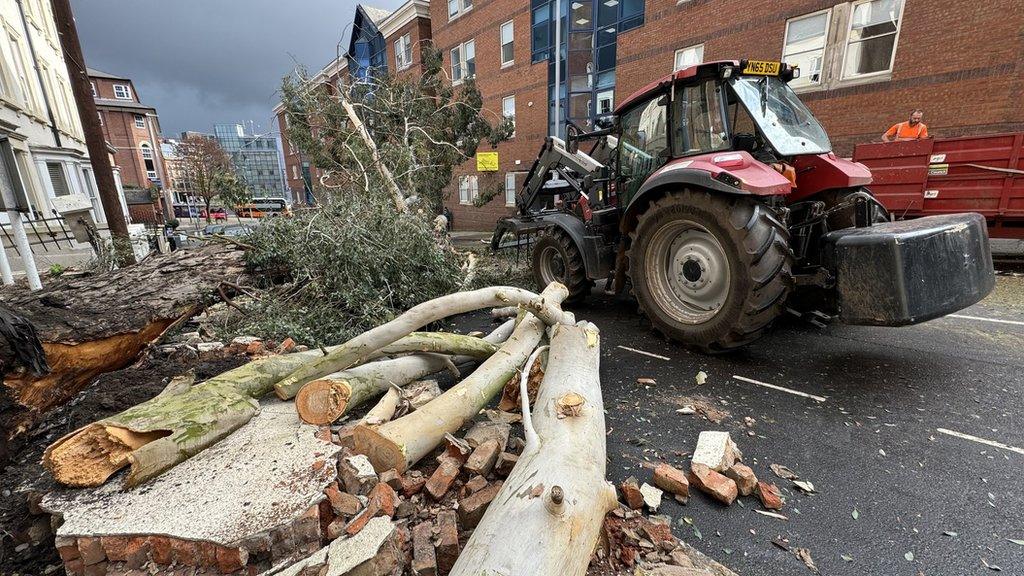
(5, 266)
(21, 241)
(558, 64)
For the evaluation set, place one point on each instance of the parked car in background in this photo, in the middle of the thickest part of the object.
(217, 214)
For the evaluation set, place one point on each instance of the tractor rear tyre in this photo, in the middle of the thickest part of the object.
(556, 258)
(709, 270)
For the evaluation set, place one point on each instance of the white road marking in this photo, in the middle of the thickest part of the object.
(979, 318)
(651, 354)
(779, 388)
(963, 436)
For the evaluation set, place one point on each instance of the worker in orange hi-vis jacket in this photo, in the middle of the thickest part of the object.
(912, 129)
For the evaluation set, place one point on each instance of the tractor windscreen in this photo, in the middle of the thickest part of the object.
(787, 124)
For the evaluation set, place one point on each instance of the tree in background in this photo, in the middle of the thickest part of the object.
(231, 191)
(404, 137)
(204, 163)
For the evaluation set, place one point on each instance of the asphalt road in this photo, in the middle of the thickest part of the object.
(925, 501)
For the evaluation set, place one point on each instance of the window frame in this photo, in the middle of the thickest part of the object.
(825, 50)
(843, 76)
(403, 51)
(127, 92)
(504, 114)
(463, 62)
(512, 43)
(513, 190)
(675, 55)
(140, 119)
(143, 148)
(469, 184)
(462, 8)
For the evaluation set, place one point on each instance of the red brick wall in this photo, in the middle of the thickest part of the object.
(958, 60)
(528, 82)
(120, 131)
(419, 33)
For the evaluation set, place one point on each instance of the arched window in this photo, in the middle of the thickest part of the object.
(147, 159)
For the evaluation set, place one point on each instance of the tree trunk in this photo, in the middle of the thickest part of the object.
(401, 443)
(326, 399)
(396, 192)
(358, 349)
(168, 429)
(95, 323)
(564, 462)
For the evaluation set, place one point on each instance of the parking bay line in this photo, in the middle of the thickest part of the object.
(979, 440)
(981, 319)
(779, 388)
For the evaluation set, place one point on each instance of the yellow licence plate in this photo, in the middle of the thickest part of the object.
(762, 67)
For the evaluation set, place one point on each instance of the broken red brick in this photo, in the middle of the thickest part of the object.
(447, 541)
(185, 552)
(98, 569)
(382, 502)
(286, 346)
(115, 547)
(472, 508)
(630, 489)
(671, 480)
(744, 477)
(442, 478)
(335, 529)
(231, 559)
(160, 549)
(207, 553)
(424, 561)
(412, 482)
(343, 503)
(391, 478)
(256, 348)
(475, 484)
(307, 527)
(67, 548)
(324, 433)
(137, 553)
(91, 551)
(770, 496)
(506, 461)
(718, 486)
(482, 460)
(74, 567)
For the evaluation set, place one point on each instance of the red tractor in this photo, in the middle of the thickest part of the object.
(715, 193)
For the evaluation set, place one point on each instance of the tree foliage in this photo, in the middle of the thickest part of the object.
(422, 129)
(204, 167)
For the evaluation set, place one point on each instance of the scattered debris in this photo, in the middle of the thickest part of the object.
(716, 485)
(805, 555)
(672, 481)
(716, 450)
(646, 381)
(744, 477)
(651, 354)
(805, 486)
(783, 472)
(772, 514)
(701, 378)
(770, 496)
(651, 496)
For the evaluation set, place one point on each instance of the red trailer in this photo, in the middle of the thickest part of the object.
(983, 174)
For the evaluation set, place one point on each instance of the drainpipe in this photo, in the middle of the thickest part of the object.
(558, 65)
(39, 75)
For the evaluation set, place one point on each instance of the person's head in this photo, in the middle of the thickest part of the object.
(915, 116)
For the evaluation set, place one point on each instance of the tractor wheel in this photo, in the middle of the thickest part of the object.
(709, 270)
(556, 258)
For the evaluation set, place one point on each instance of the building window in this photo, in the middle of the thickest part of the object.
(20, 68)
(140, 121)
(468, 190)
(541, 31)
(148, 161)
(122, 92)
(58, 179)
(804, 47)
(295, 172)
(403, 52)
(93, 86)
(463, 61)
(508, 55)
(508, 109)
(510, 189)
(605, 102)
(871, 38)
(457, 8)
(688, 57)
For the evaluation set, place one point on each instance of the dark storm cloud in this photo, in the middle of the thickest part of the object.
(199, 62)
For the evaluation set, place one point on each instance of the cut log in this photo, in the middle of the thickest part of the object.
(96, 323)
(326, 399)
(385, 408)
(547, 517)
(400, 443)
(358, 349)
(169, 428)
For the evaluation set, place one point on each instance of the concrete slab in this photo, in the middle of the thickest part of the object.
(261, 476)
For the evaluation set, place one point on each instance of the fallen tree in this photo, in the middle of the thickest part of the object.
(187, 417)
(326, 399)
(547, 517)
(400, 443)
(95, 323)
(358, 349)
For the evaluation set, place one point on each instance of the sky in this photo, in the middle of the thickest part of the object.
(201, 62)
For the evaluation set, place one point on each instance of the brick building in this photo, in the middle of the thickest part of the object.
(133, 129)
(864, 65)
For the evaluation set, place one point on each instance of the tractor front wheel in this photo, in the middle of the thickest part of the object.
(556, 258)
(709, 270)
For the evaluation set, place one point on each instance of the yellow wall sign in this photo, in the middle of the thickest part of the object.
(486, 161)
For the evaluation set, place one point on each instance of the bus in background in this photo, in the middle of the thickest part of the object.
(263, 207)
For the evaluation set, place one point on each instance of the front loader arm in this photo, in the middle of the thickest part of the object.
(577, 169)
